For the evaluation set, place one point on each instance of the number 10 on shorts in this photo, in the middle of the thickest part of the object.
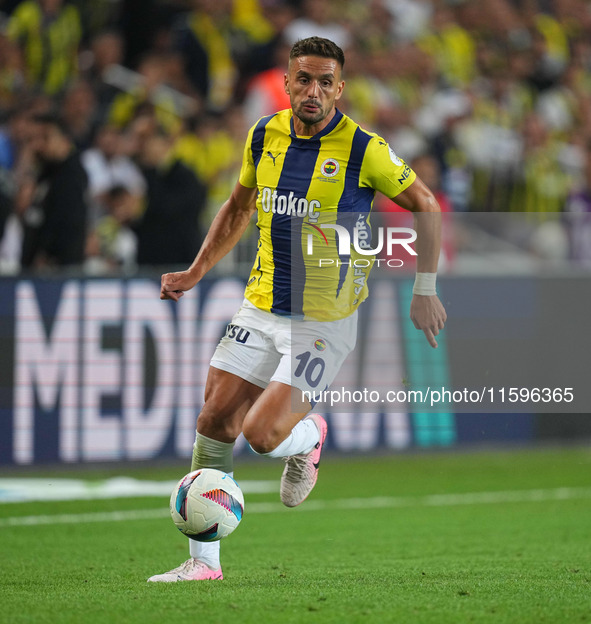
(311, 368)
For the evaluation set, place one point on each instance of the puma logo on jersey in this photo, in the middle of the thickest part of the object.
(273, 157)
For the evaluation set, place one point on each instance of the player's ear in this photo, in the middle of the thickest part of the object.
(340, 90)
(286, 83)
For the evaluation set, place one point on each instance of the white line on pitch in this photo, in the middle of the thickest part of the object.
(24, 490)
(380, 502)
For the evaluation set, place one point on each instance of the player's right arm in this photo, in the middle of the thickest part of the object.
(226, 229)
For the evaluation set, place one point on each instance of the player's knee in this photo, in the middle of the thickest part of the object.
(261, 441)
(262, 446)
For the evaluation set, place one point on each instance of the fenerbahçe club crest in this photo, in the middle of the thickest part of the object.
(320, 344)
(329, 168)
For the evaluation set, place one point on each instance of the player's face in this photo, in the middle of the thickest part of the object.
(313, 84)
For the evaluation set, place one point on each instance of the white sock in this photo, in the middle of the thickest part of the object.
(209, 453)
(302, 439)
(207, 552)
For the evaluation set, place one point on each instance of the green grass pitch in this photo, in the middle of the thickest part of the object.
(444, 538)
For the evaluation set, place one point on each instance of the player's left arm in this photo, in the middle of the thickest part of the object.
(426, 310)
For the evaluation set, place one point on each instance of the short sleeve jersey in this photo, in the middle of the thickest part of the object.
(305, 186)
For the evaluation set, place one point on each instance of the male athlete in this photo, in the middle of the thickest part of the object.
(303, 168)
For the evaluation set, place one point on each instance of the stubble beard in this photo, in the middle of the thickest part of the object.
(309, 119)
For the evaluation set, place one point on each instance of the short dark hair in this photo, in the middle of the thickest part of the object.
(317, 46)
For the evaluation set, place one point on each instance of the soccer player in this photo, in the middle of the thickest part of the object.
(304, 166)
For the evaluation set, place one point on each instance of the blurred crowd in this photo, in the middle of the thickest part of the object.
(122, 122)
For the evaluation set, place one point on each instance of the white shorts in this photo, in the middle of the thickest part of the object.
(261, 347)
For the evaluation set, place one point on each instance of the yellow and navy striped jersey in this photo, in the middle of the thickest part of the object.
(305, 183)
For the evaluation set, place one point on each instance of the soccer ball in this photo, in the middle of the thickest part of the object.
(207, 505)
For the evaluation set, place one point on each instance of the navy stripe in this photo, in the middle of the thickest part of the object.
(258, 139)
(289, 277)
(354, 200)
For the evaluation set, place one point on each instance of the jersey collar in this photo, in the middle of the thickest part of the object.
(329, 128)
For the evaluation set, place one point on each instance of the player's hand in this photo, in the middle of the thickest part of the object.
(174, 285)
(427, 313)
